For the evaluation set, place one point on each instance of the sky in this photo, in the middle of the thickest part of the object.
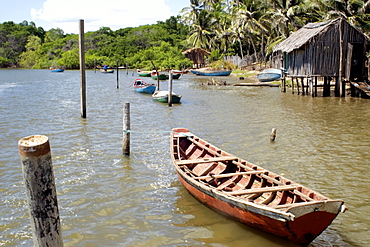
(65, 14)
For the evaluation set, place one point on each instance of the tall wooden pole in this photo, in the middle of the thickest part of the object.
(170, 89)
(126, 129)
(117, 74)
(40, 189)
(82, 70)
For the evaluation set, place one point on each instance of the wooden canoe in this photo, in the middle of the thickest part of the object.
(143, 73)
(211, 73)
(248, 193)
(269, 75)
(143, 87)
(162, 96)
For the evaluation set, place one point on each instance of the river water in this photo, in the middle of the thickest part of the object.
(107, 199)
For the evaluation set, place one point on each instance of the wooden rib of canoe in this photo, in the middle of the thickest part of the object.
(248, 193)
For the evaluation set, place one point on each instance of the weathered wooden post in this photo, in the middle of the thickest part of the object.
(82, 70)
(94, 65)
(273, 135)
(40, 189)
(170, 89)
(117, 74)
(126, 129)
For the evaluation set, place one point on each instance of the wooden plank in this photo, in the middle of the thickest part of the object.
(207, 160)
(230, 174)
(262, 190)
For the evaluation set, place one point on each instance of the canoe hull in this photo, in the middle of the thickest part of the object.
(109, 71)
(57, 70)
(299, 219)
(161, 76)
(289, 230)
(212, 73)
(143, 87)
(162, 96)
(147, 89)
(269, 75)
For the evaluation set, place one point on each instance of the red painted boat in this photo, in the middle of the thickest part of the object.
(248, 193)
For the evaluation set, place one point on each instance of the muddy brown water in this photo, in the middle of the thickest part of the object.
(107, 199)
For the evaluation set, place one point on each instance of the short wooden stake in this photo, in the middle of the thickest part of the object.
(170, 89)
(126, 129)
(273, 135)
(40, 189)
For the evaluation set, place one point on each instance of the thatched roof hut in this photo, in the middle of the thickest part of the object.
(197, 56)
(331, 48)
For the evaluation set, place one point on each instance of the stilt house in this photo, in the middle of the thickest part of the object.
(197, 55)
(331, 50)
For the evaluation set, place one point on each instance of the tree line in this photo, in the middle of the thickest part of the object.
(223, 27)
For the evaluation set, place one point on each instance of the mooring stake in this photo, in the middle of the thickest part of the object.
(40, 189)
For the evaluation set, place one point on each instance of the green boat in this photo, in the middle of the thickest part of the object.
(154, 75)
(162, 96)
(143, 73)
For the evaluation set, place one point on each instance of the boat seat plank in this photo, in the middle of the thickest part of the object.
(206, 160)
(262, 190)
(295, 204)
(225, 175)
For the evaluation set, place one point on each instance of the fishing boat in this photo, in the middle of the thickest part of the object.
(143, 73)
(249, 193)
(211, 72)
(56, 70)
(161, 76)
(180, 71)
(269, 75)
(143, 87)
(162, 96)
(174, 76)
(108, 71)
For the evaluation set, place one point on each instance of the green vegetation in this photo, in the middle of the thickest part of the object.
(223, 27)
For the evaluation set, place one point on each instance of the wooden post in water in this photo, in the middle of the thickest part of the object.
(94, 65)
(170, 89)
(82, 70)
(273, 135)
(117, 74)
(40, 189)
(126, 129)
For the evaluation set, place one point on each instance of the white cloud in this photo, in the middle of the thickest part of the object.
(115, 14)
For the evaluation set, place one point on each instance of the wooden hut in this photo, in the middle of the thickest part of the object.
(331, 51)
(197, 55)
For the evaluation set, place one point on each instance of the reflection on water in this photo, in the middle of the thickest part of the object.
(107, 199)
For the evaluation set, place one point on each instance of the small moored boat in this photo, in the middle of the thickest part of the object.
(162, 96)
(161, 76)
(180, 71)
(211, 72)
(143, 73)
(143, 87)
(269, 75)
(56, 70)
(248, 193)
(108, 71)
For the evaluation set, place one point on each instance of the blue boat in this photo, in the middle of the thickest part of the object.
(269, 75)
(56, 70)
(143, 87)
(212, 73)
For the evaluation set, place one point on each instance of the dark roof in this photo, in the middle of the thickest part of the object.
(306, 33)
